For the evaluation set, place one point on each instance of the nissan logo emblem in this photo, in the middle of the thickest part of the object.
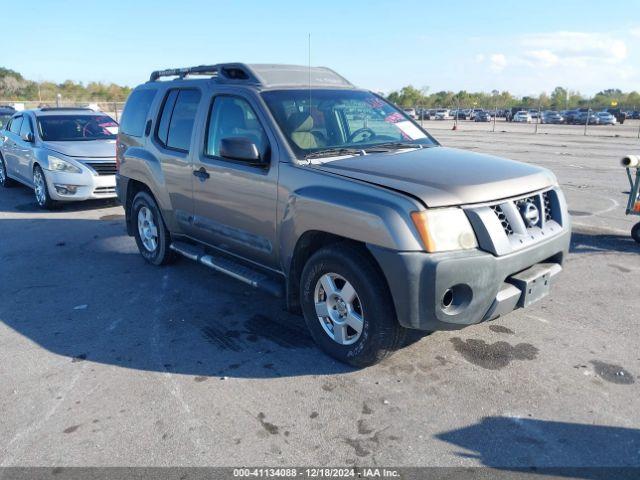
(530, 214)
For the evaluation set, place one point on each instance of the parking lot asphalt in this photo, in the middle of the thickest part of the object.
(106, 360)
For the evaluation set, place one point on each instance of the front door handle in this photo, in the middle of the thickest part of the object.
(201, 174)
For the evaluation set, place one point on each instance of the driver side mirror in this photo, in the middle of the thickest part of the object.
(241, 148)
(27, 137)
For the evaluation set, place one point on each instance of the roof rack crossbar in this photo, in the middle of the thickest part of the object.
(183, 72)
(228, 72)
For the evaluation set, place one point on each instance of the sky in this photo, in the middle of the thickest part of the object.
(526, 47)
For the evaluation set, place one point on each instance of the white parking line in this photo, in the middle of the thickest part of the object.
(534, 317)
(38, 424)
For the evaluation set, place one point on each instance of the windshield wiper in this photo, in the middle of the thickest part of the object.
(380, 147)
(333, 152)
(397, 145)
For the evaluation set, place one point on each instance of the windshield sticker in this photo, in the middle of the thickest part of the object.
(375, 102)
(409, 129)
(110, 126)
(394, 118)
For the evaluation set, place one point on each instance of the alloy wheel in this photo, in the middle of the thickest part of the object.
(39, 187)
(147, 229)
(338, 309)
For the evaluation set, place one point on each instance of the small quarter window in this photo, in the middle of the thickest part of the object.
(26, 126)
(16, 124)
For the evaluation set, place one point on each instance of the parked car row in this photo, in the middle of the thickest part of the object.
(609, 116)
(587, 116)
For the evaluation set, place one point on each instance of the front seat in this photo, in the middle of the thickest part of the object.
(300, 125)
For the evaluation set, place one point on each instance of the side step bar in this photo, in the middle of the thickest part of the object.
(230, 267)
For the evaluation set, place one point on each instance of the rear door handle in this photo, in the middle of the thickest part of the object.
(201, 174)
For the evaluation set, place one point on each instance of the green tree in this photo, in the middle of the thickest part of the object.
(13, 86)
(559, 98)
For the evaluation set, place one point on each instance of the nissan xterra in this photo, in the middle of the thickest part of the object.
(292, 180)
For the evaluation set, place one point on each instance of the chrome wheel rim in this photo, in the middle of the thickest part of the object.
(2, 175)
(39, 187)
(147, 229)
(339, 309)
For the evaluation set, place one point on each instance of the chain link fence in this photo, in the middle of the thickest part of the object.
(500, 118)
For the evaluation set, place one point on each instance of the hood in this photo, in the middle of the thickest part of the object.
(442, 176)
(84, 149)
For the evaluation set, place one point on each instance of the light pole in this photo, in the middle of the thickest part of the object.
(587, 120)
(495, 108)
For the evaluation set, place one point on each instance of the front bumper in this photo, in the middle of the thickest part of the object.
(88, 186)
(484, 283)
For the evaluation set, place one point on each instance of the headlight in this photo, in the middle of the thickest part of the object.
(58, 165)
(444, 229)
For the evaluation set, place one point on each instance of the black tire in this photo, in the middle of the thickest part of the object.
(43, 199)
(5, 181)
(381, 333)
(635, 232)
(161, 254)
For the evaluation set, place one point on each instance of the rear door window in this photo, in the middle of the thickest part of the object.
(165, 116)
(135, 112)
(177, 118)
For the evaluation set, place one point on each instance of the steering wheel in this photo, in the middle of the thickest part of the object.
(360, 131)
(85, 129)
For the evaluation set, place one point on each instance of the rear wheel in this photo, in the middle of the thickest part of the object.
(347, 306)
(41, 190)
(635, 232)
(5, 181)
(151, 234)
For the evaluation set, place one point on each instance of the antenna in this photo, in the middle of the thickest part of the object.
(309, 43)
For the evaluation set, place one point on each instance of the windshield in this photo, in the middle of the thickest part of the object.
(72, 128)
(317, 120)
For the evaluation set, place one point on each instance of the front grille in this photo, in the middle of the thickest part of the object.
(497, 209)
(103, 168)
(516, 223)
(104, 190)
(547, 206)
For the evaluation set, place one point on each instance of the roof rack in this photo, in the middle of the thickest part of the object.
(230, 71)
(265, 75)
(53, 109)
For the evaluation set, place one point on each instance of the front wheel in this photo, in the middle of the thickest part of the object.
(151, 234)
(5, 181)
(347, 306)
(41, 190)
(635, 232)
